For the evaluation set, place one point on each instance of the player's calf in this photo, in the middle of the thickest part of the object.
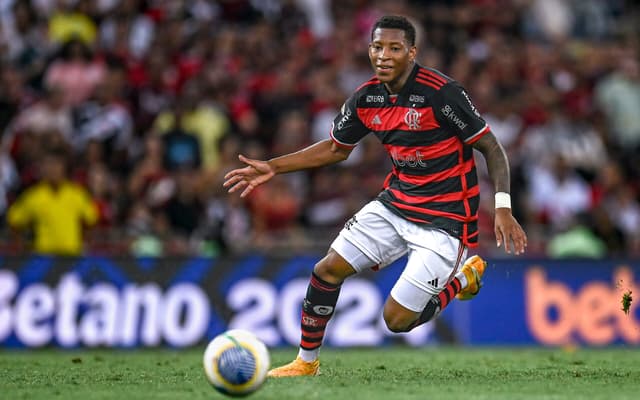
(398, 318)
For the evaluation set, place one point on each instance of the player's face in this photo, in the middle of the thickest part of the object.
(391, 56)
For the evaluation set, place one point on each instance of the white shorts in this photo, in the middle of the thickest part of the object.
(375, 237)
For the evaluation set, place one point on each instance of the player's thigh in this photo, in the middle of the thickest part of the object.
(369, 239)
(428, 270)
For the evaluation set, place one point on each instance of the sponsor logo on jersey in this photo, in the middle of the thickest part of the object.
(346, 115)
(412, 160)
(473, 108)
(374, 99)
(376, 120)
(412, 119)
(416, 98)
(447, 111)
(433, 282)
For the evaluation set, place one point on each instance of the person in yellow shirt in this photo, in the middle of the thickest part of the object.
(202, 120)
(68, 21)
(56, 209)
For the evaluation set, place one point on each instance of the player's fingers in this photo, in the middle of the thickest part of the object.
(247, 190)
(506, 239)
(499, 237)
(238, 172)
(238, 186)
(231, 180)
(508, 244)
(523, 239)
(520, 242)
(248, 161)
(517, 243)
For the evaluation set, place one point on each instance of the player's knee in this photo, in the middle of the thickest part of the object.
(333, 268)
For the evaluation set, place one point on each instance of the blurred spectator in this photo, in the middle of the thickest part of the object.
(618, 210)
(127, 32)
(75, 71)
(8, 182)
(106, 120)
(182, 147)
(276, 209)
(228, 221)
(55, 209)
(504, 120)
(146, 229)
(293, 134)
(558, 194)
(149, 181)
(618, 95)
(49, 116)
(14, 94)
(26, 41)
(69, 21)
(103, 189)
(184, 210)
(549, 19)
(204, 121)
(152, 82)
(578, 241)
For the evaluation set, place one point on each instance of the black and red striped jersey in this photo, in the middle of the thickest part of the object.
(427, 129)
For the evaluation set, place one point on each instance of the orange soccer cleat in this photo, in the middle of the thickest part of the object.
(473, 269)
(297, 367)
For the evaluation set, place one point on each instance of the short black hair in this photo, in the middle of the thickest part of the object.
(397, 22)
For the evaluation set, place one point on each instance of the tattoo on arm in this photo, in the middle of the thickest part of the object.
(497, 162)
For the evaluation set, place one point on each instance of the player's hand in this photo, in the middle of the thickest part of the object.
(509, 232)
(255, 173)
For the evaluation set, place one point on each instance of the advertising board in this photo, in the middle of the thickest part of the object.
(127, 302)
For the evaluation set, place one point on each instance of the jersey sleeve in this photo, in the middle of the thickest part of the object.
(455, 110)
(347, 129)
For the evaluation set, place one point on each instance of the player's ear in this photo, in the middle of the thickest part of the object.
(413, 51)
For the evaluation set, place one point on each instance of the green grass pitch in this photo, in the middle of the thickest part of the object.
(370, 374)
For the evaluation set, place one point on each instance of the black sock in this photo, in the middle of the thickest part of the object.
(317, 309)
(438, 303)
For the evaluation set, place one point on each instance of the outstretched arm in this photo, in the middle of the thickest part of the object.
(507, 229)
(258, 172)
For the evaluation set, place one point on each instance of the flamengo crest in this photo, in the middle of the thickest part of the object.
(412, 119)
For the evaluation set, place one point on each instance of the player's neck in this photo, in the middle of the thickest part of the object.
(396, 86)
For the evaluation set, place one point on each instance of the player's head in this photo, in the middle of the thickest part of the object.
(392, 50)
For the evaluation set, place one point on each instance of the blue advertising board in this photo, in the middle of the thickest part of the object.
(181, 302)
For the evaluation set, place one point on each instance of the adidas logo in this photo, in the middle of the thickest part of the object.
(376, 120)
(433, 282)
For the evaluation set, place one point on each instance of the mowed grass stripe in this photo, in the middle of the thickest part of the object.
(353, 374)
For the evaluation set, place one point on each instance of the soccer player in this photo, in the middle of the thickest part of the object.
(428, 206)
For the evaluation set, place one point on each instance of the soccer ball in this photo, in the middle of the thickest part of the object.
(236, 362)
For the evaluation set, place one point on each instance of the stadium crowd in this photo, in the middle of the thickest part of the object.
(148, 103)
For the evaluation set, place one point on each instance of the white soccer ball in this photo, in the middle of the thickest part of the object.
(236, 362)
